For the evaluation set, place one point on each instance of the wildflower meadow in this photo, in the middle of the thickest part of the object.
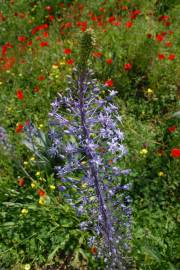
(89, 135)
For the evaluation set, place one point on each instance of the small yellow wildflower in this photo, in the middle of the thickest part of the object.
(24, 211)
(41, 126)
(143, 151)
(150, 91)
(1, 83)
(161, 174)
(33, 184)
(32, 158)
(25, 162)
(84, 185)
(27, 267)
(38, 173)
(52, 187)
(42, 200)
(55, 66)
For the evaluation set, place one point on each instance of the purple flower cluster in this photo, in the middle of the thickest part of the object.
(85, 133)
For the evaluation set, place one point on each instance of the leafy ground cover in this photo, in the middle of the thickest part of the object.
(136, 52)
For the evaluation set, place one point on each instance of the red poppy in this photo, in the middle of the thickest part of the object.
(36, 89)
(44, 44)
(93, 250)
(20, 94)
(68, 25)
(29, 43)
(149, 35)
(51, 18)
(48, 8)
(22, 38)
(70, 61)
(109, 83)
(129, 24)
(109, 61)
(171, 129)
(9, 63)
(127, 66)
(159, 37)
(168, 44)
(111, 19)
(171, 32)
(67, 51)
(116, 23)
(175, 153)
(21, 182)
(167, 24)
(19, 128)
(41, 192)
(171, 57)
(41, 78)
(163, 18)
(134, 14)
(124, 8)
(161, 56)
(46, 34)
(97, 54)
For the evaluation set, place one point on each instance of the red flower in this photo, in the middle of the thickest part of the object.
(171, 32)
(48, 8)
(97, 54)
(41, 78)
(124, 8)
(36, 89)
(44, 44)
(171, 57)
(171, 129)
(168, 44)
(21, 182)
(109, 83)
(20, 94)
(93, 250)
(167, 24)
(19, 128)
(175, 153)
(68, 25)
(149, 36)
(109, 61)
(161, 56)
(67, 51)
(129, 24)
(111, 19)
(29, 43)
(163, 18)
(134, 14)
(46, 34)
(159, 37)
(22, 38)
(41, 192)
(51, 18)
(127, 66)
(70, 61)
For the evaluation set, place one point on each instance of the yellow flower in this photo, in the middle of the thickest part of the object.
(84, 185)
(32, 158)
(143, 151)
(1, 83)
(33, 184)
(42, 200)
(27, 267)
(24, 211)
(25, 162)
(38, 173)
(149, 91)
(52, 187)
(161, 174)
(41, 126)
(55, 66)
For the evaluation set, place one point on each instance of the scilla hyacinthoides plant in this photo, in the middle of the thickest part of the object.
(85, 134)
